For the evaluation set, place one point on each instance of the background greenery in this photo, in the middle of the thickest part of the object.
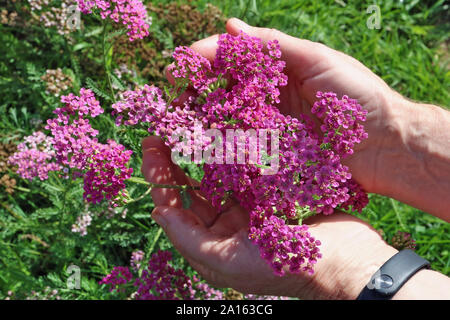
(410, 52)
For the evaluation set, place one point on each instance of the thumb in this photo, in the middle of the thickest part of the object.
(235, 25)
(187, 233)
(299, 52)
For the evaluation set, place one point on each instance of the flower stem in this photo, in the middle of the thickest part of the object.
(158, 185)
(304, 214)
(141, 196)
(21, 189)
(105, 28)
(155, 240)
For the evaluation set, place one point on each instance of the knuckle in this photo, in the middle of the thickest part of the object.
(271, 34)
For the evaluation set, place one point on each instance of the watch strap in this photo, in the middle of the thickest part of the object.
(393, 275)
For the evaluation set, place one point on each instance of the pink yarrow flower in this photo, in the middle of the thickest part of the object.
(35, 157)
(311, 178)
(130, 13)
(73, 146)
(159, 280)
(106, 173)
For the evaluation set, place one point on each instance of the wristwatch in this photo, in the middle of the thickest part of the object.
(392, 275)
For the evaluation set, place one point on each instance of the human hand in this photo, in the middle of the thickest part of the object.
(406, 154)
(313, 67)
(217, 245)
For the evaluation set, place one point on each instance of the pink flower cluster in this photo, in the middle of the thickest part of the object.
(159, 280)
(118, 277)
(284, 245)
(311, 177)
(83, 221)
(73, 135)
(192, 68)
(340, 114)
(107, 172)
(142, 105)
(131, 13)
(205, 292)
(136, 259)
(73, 145)
(147, 105)
(403, 240)
(34, 157)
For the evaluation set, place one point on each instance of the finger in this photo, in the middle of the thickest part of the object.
(184, 96)
(168, 74)
(189, 236)
(157, 167)
(207, 47)
(154, 142)
(302, 54)
(231, 221)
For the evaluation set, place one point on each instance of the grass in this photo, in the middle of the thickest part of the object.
(409, 52)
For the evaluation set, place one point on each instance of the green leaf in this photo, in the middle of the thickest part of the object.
(82, 45)
(94, 32)
(91, 85)
(186, 199)
(420, 228)
(118, 82)
(167, 91)
(114, 34)
(33, 74)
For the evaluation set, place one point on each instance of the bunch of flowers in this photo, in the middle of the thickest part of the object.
(8, 18)
(43, 12)
(131, 13)
(46, 294)
(56, 81)
(6, 150)
(118, 276)
(159, 280)
(34, 157)
(83, 221)
(88, 216)
(136, 259)
(73, 146)
(108, 170)
(240, 90)
(403, 240)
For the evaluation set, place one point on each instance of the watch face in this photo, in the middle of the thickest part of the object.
(382, 281)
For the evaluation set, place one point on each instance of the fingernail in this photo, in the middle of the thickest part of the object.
(158, 216)
(144, 142)
(153, 152)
